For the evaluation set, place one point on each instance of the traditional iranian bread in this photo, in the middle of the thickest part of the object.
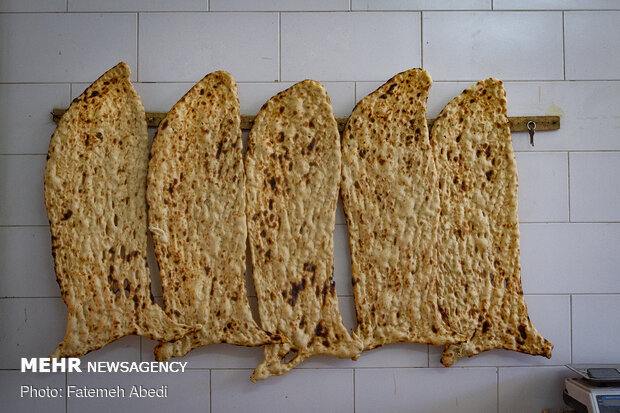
(479, 281)
(196, 198)
(293, 171)
(95, 182)
(391, 204)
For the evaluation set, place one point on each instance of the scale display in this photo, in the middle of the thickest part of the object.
(609, 401)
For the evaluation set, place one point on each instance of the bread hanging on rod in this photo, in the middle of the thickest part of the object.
(95, 182)
(479, 278)
(293, 174)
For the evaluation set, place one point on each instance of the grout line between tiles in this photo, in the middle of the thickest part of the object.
(279, 47)
(210, 391)
(565, 222)
(138, 47)
(421, 39)
(24, 226)
(309, 11)
(29, 297)
(568, 182)
(548, 10)
(354, 407)
(497, 389)
(571, 327)
(563, 47)
(363, 11)
(22, 154)
(37, 83)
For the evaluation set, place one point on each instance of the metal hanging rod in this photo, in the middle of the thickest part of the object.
(517, 123)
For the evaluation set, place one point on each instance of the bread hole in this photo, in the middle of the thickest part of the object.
(115, 220)
(126, 288)
(114, 288)
(288, 357)
(107, 229)
(122, 252)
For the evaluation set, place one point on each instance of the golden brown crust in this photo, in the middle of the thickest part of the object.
(479, 280)
(293, 170)
(391, 203)
(95, 181)
(196, 197)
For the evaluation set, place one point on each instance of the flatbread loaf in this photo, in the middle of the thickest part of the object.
(95, 181)
(391, 204)
(293, 172)
(196, 198)
(479, 281)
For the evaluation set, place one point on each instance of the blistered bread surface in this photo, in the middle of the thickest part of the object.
(391, 203)
(196, 197)
(479, 278)
(293, 174)
(95, 181)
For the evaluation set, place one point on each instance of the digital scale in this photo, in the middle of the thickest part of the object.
(596, 391)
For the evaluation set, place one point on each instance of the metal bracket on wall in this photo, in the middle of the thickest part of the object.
(517, 123)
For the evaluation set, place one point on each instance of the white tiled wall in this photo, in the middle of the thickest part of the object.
(426, 390)
(508, 45)
(592, 37)
(558, 57)
(348, 45)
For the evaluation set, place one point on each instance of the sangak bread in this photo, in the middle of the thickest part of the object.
(196, 198)
(479, 281)
(391, 204)
(293, 170)
(95, 182)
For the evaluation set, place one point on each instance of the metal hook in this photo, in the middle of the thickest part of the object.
(531, 127)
